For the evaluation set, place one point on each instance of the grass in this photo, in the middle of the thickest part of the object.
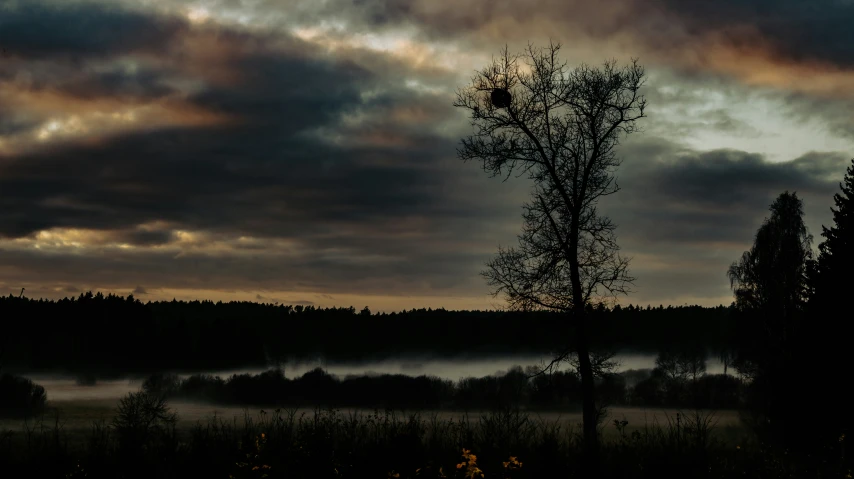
(76, 439)
(77, 417)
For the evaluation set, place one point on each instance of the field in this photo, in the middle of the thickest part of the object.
(74, 439)
(75, 417)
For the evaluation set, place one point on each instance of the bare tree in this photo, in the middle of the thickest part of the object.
(561, 127)
(140, 416)
(695, 365)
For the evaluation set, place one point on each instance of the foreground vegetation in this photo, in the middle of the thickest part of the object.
(144, 440)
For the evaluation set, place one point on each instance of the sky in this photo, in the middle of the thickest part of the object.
(304, 151)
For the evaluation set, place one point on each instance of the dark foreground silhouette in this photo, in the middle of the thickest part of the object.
(144, 440)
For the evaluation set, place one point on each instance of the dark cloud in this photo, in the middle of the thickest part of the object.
(259, 176)
(286, 165)
(818, 30)
(671, 194)
(256, 180)
(13, 122)
(117, 82)
(371, 205)
(343, 178)
(312, 271)
(139, 290)
(684, 215)
(787, 39)
(144, 237)
(687, 215)
(292, 93)
(444, 19)
(95, 80)
(35, 30)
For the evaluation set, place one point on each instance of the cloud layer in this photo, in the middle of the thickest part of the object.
(176, 149)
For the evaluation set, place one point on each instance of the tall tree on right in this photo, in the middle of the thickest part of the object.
(772, 276)
(771, 287)
(829, 339)
(836, 252)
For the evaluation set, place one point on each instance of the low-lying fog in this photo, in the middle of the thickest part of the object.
(67, 388)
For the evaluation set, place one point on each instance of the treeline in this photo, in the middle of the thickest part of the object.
(115, 335)
(517, 388)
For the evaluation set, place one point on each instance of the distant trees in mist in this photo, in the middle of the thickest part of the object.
(111, 336)
(516, 388)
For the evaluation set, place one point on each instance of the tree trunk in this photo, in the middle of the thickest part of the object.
(588, 400)
(588, 403)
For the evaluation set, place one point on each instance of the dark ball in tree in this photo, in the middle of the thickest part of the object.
(500, 98)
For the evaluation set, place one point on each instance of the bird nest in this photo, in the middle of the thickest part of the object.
(500, 98)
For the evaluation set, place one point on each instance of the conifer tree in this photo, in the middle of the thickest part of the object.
(836, 252)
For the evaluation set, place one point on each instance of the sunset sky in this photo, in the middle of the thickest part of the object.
(304, 151)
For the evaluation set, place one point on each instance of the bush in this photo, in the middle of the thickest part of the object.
(142, 417)
(20, 397)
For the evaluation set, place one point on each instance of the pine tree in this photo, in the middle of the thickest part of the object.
(836, 252)
(827, 342)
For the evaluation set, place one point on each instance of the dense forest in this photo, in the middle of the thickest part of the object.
(75, 335)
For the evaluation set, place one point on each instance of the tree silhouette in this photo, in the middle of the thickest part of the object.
(561, 127)
(772, 275)
(828, 338)
(836, 252)
(770, 282)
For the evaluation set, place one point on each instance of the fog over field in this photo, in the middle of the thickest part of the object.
(69, 389)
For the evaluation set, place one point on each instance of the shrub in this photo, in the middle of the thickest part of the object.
(142, 417)
(20, 397)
